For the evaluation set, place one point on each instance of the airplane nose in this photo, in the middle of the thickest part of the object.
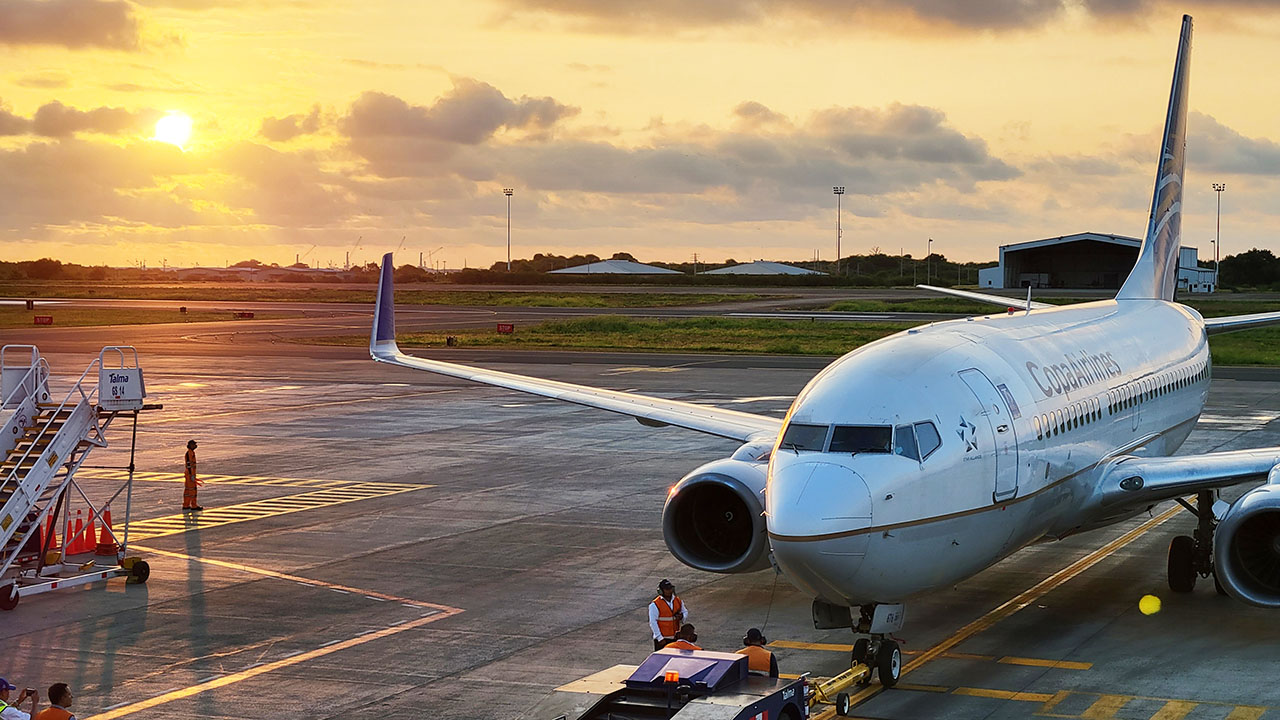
(815, 510)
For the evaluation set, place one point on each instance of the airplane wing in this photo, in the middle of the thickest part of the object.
(1005, 302)
(1240, 322)
(1132, 483)
(655, 412)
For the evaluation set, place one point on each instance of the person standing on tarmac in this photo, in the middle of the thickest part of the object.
(59, 704)
(666, 614)
(13, 712)
(189, 481)
(759, 660)
(685, 639)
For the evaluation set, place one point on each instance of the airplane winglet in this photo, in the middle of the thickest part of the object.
(382, 337)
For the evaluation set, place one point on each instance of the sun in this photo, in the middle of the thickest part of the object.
(174, 128)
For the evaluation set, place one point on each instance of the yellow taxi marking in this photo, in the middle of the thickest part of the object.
(1002, 694)
(288, 408)
(1246, 712)
(1174, 710)
(1037, 662)
(259, 509)
(1105, 707)
(1013, 605)
(265, 668)
(1007, 660)
(176, 477)
(626, 370)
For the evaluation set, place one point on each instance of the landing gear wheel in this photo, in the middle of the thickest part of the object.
(859, 654)
(8, 597)
(1218, 586)
(889, 663)
(1182, 568)
(139, 573)
(842, 704)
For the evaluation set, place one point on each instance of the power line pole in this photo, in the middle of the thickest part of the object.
(928, 262)
(507, 192)
(839, 192)
(1217, 234)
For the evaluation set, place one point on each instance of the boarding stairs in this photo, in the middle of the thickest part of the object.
(44, 441)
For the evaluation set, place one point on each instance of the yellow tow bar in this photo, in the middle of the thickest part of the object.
(830, 691)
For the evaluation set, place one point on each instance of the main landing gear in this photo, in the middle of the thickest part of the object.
(1192, 555)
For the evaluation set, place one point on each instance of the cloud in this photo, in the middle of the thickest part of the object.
(45, 80)
(292, 126)
(11, 124)
(57, 120)
(69, 23)
(1212, 146)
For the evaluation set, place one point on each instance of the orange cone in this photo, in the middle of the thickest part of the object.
(75, 545)
(50, 536)
(106, 546)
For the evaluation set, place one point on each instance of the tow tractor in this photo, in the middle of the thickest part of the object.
(696, 685)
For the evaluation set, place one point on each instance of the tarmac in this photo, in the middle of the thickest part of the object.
(379, 542)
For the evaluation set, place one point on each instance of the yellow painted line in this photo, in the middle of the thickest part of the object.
(210, 479)
(1174, 710)
(1246, 712)
(288, 408)
(1106, 707)
(1002, 694)
(260, 509)
(267, 668)
(1013, 605)
(795, 645)
(924, 688)
(1038, 662)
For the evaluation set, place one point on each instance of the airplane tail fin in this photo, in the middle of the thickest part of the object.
(382, 338)
(1155, 275)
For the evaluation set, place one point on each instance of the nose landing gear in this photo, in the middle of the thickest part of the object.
(1192, 555)
(875, 652)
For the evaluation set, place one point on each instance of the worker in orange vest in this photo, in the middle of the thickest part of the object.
(666, 614)
(759, 660)
(685, 639)
(59, 702)
(189, 481)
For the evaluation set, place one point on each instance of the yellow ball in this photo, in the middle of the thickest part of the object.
(1149, 604)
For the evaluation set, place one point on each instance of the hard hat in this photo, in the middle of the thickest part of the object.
(665, 583)
(191, 444)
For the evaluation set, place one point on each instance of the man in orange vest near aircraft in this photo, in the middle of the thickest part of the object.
(685, 639)
(759, 660)
(59, 704)
(666, 614)
(189, 481)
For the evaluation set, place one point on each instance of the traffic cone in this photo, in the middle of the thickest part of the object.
(89, 540)
(75, 545)
(50, 536)
(106, 545)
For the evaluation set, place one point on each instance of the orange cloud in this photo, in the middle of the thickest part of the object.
(70, 23)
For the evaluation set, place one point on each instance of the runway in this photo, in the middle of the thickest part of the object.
(383, 543)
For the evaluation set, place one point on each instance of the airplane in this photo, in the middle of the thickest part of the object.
(918, 460)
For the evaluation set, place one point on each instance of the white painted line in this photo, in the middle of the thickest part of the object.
(164, 692)
(295, 652)
(119, 704)
(376, 598)
(344, 592)
(201, 681)
(331, 642)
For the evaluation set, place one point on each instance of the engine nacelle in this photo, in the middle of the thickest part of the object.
(1246, 551)
(714, 517)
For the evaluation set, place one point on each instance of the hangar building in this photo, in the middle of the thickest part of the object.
(615, 267)
(762, 267)
(1083, 261)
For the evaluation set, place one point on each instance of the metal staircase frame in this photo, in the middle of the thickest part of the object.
(41, 481)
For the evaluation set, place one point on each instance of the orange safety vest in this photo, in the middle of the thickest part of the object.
(758, 659)
(683, 645)
(190, 472)
(667, 615)
(53, 713)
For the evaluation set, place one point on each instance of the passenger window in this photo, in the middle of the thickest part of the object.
(862, 439)
(904, 442)
(1039, 431)
(928, 438)
(804, 437)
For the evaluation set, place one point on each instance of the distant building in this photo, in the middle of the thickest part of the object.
(762, 267)
(1084, 261)
(615, 267)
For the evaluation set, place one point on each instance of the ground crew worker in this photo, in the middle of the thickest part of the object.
(59, 704)
(13, 712)
(189, 481)
(666, 614)
(759, 660)
(685, 639)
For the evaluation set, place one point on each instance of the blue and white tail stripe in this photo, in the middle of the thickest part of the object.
(1155, 275)
(382, 339)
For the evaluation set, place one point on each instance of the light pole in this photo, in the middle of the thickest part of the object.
(1217, 234)
(839, 191)
(928, 263)
(507, 192)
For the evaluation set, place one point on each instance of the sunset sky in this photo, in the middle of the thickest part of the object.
(663, 128)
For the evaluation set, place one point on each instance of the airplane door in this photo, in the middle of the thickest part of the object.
(999, 410)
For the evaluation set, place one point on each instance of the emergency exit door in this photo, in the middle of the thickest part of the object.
(999, 410)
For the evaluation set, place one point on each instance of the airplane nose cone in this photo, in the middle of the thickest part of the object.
(815, 510)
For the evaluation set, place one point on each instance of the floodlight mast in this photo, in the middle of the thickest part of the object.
(838, 190)
(1217, 233)
(507, 192)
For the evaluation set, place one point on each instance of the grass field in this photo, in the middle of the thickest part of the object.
(751, 336)
(404, 296)
(12, 317)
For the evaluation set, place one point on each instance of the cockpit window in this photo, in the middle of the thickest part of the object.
(805, 437)
(928, 437)
(862, 439)
(904, 442)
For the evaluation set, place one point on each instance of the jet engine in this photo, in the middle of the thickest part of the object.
(1247, 547)
(714, 517)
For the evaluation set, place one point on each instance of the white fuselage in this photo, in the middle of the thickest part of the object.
(1027, 407)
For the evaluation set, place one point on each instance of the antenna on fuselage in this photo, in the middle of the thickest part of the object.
(1028, 312)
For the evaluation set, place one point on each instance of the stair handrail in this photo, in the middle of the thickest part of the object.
(78, 386)
(39, 363)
